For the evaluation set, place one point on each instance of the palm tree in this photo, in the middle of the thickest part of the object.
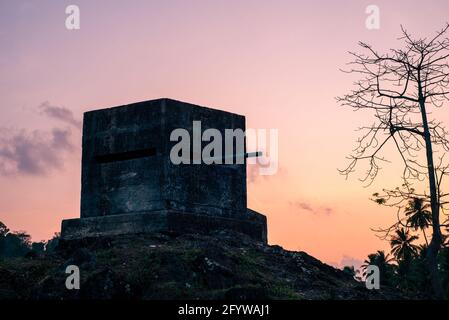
(419, 215)
(383, 262)
(402, 247)
(368, 262)
(379, 259)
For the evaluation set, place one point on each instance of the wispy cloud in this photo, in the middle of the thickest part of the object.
(308, 207)
(37, 152)
(348, 261)
(60, 113)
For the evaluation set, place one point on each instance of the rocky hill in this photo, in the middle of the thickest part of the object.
(222, 265)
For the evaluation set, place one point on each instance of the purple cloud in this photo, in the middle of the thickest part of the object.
(37, 152)
(60, 113)
(33, 154)
(305, 206)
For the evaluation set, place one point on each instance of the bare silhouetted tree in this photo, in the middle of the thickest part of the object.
(400, 88)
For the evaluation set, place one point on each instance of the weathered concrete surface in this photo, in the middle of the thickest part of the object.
(150, 181)
(254, 225)
(129, 184)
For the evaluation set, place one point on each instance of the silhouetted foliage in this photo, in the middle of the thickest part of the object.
(52, 243)
(19, 244)
(15, 244)
(444, 268)
(400, 88)
(3, 230)
(408, 271)
(383, 262)
(350, 270)
(402, 246)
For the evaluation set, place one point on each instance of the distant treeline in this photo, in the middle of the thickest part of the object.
(406, 266)
(18, 244)
(408, 274)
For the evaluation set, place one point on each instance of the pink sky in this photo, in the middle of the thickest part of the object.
(276, 62)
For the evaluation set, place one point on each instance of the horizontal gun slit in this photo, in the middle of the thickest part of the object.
(127, 155)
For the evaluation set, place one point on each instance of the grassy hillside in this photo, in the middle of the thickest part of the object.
(223, 265)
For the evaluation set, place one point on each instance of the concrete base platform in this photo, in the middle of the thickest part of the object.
(252, 224)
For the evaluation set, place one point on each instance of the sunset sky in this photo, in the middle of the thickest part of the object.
(276, 62)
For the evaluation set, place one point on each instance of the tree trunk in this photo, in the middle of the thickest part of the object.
(436, 240)
(425, 236)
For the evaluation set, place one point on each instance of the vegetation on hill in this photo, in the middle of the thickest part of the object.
(221, 265)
